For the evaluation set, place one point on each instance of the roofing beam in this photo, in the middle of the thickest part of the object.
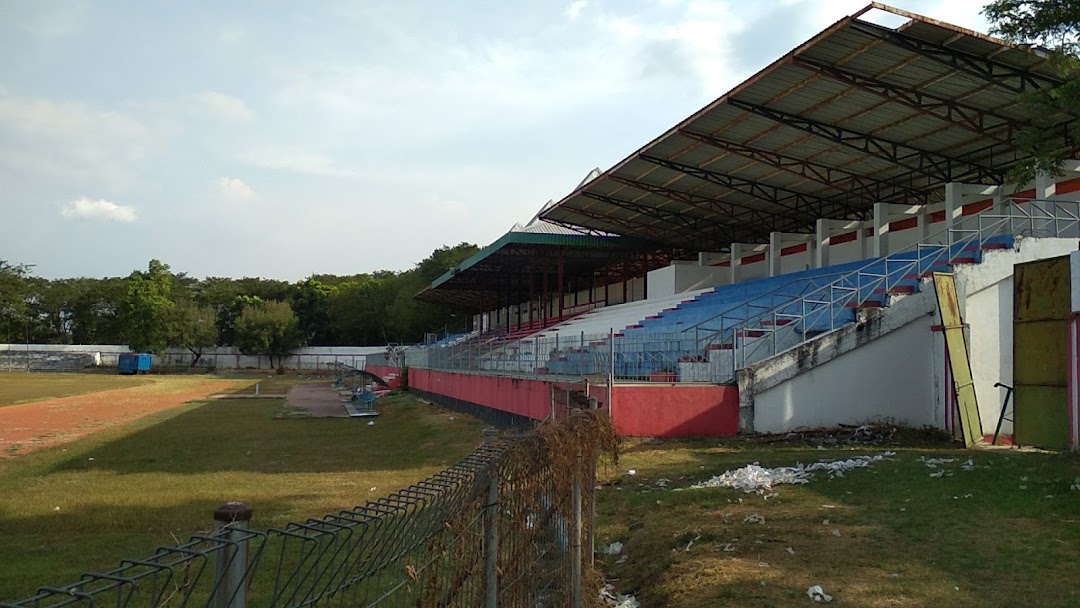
(1012, 78)
(977, 120)
(860, 187)
(695, 200)
(681, 220)
(934, 165)
(627, 227)
(807, 206)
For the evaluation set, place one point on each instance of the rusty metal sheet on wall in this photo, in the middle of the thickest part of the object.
(960, 366)
(1041, 310)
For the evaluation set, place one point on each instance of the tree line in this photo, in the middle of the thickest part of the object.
(156, 308)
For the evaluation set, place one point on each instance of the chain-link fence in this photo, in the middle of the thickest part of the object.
(508, 526)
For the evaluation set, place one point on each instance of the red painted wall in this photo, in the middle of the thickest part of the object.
(529, 398)
(387, 372)
(639, 410)
(675, 411)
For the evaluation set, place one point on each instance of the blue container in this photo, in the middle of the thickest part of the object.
(134, 363)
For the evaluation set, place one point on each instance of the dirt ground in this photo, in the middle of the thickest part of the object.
(319, 400)
(32, 426)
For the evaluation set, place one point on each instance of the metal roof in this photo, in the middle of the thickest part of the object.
(511, 268)
(859, 114)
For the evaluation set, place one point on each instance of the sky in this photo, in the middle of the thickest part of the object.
(283, 139)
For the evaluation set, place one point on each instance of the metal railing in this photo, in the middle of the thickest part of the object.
(776, 327)
(496, 529)
(761, 326)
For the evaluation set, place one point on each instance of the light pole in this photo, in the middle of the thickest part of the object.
(28, 344)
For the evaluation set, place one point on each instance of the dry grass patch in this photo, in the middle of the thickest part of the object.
(20, 387)
(885, 536)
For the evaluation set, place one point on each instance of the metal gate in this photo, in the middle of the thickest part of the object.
(1041, 305)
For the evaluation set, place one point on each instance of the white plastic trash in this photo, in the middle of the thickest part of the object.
(818, 594)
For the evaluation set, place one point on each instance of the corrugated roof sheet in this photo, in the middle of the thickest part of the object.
(859, 114)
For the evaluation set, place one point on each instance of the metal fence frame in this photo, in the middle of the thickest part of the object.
(503, 527)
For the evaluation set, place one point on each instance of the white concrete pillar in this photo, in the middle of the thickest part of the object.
(860, 239)
(923, 219)
(736, 255)
(881, 230)
(776, 245)
(821, 243)
(953, 207)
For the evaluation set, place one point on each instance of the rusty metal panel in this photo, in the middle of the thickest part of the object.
(1041, 309)
(956, 344)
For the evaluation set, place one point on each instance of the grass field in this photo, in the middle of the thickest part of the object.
(1004, 534)
(124, 491)
(23, 388)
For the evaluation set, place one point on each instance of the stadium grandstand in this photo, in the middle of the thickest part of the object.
(768, 263)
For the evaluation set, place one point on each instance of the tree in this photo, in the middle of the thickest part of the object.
(147, 308)
(194, 327)
(267, 328)
(1052, 113)
(310, 300)
(13, 295)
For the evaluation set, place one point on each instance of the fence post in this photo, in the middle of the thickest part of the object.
(491, 530)
(575, 547)
(230, 567)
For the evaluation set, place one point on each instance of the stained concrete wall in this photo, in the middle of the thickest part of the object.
(888, 377)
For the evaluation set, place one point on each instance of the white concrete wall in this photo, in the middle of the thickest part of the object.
(890, 377)
(312, 357)
(684, 276)
(796, 262)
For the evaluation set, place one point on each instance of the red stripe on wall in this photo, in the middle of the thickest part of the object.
(793, 249)
(847, 237)
(903, 224)
(1067, 186)
(751, 259)
(977, 207)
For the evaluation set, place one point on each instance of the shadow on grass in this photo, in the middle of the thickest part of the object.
(244, 436)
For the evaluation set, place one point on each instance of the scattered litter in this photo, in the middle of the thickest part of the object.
(451, 417)
(959, 497)
(1023, 479)
(688, 545)
(836, 532)
(791, 551)
(824, 522)
(1023, 487)
(373, 488)
(753, 518)
(763, 564)
(818, 594)
(756, 478)
(631, 472)
(608, 597)
(1048, 496)
(896, 574)
(969, 465)
(662, 482)
(56, 508)
(1075, 485)
(614, 548)
(659, 503)
(728, 547)
(828, 506)
(770, 495)
(939, 473)
(371, 423)
(933, 463)
(89, 458)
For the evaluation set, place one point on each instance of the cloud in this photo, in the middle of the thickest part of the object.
(223, 107)
(234, 189)
(43, 138)
(296, 160)
(573, 10)
(101, 209)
